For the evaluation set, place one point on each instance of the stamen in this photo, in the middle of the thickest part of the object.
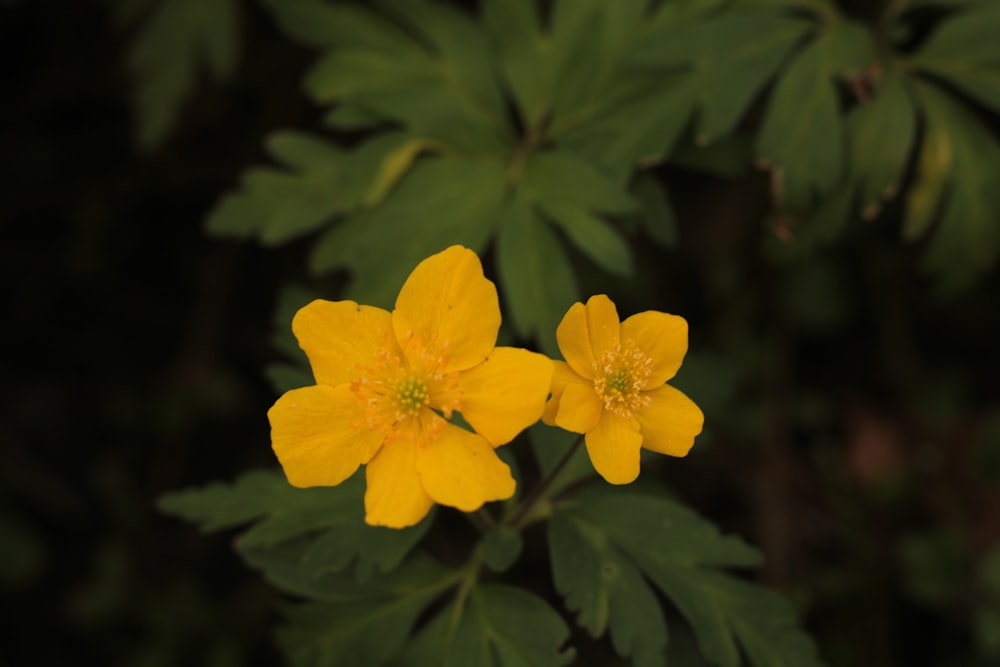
(403, 387)
(619, 378)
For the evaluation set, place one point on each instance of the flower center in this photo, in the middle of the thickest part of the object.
(410, 395)
(619, 378)
(404, 387)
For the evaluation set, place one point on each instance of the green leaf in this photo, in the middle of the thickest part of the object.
(394, 165)
(438, 203)
(503, 626)
(925, 197)
(441, 87)
(598, 239)
(560, 179)
(556, 76)
(588, 38)
(958, 175)
(569, 190)
(641, 523)
(362, 625)
(657, 213)
(882, 133)
(963, 53)
(321, 24)
(168, 52)
(964, 38)
(501, 548)
(606, 589)
(279, 512)
(980, 83)
(461, 45)
(638, 123)
(535, 274)
(679, 553)
(299, 150)
(913, 4)
(428, 644)
(280, 205)
(726, 80)
(351, 118)
(525, 59)
(824, 225)
(801, 138)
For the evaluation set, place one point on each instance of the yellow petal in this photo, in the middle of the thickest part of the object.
(319, 435)
(506, 393)
(338, 336)
(614, 448)
(448, 305)
(562, 377)
(663, 338)
(670, 422)
(579, 409)
(461, 469)
(574, 340)
(395, 496)
(603, 325)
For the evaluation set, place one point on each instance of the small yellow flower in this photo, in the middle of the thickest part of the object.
(612, 386)
(388, 384)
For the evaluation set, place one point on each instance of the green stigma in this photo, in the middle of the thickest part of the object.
(411, 395)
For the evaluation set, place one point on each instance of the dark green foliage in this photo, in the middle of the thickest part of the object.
(606, 545)
(597, 91)
(174, 44)
(529, 132)
(347, 622)
(332, 516)
(505, 626)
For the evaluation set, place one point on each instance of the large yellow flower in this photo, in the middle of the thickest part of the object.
(388, 384)
(612, 386)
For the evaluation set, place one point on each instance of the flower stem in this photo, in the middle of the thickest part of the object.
(540, 491)
(470, 574)
(482, 520)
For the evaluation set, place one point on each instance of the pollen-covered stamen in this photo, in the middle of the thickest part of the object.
(402, 388)
(410, 395)
(619, 378)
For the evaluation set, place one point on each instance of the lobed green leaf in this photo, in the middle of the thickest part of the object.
(726, 80)
(332, 517)
(801, 137)
(601, 541)
(606, 590)
(536, 277)
(439, 202)
(962, 51)
(440, 85)
(358, 625)
(504, 626)
(278, 205)
(882, 135)
(176, 41)
(953, 195)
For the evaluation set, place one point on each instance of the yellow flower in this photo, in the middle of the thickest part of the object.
(388, 384)
(613, 387)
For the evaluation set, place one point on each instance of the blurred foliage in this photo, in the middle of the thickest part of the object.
(605, 547)
(811, 183)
